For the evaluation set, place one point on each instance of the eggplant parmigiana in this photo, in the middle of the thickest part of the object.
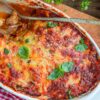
(46, 59)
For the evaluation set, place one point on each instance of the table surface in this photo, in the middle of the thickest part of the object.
(94, 8)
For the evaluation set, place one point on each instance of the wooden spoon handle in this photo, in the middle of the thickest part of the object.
(77, 20)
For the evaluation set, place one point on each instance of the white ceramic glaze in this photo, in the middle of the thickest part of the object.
(90, 95)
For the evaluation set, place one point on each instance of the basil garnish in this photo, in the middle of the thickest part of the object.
(9, 65)
(27, 41)
(6, 51)
(56, 74)
(23, 52)
(51, 24)
(82, 41)
(67, 66)
(69, 94)
(59, 72)
(55, 1)
(81, 46)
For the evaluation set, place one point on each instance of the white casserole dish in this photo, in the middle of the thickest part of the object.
(88, 96)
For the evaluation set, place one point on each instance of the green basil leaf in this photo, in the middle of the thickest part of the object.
(56, 74)
(85, 4)
(27, 41)
(59, 72)
(9, 65)
(58, 1)
(48, 1)
(69, 94)
(55, 1)
(6, 51)
(82, 41)
(81, 47)
(67, 66)
(23, 52)
(51, 24)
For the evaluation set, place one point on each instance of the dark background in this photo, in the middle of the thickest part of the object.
(94, 8)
